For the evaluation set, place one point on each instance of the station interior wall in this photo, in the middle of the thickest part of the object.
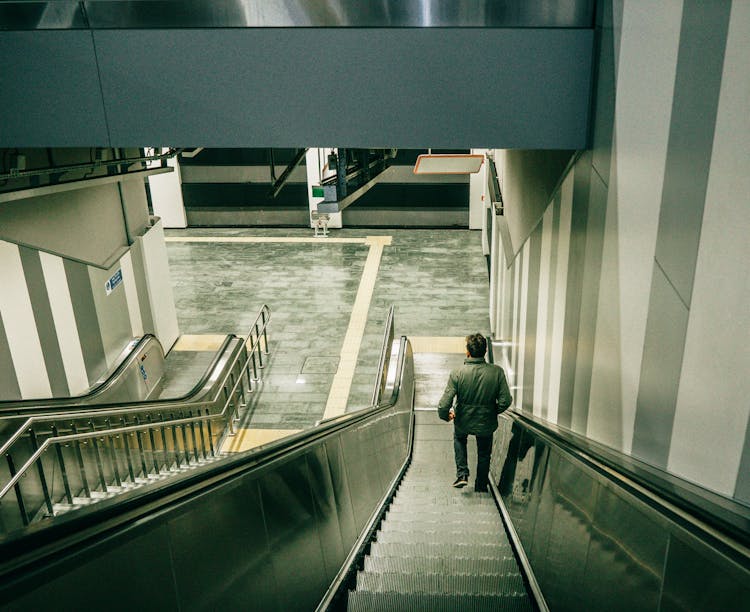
(626, 310)
(61, 327)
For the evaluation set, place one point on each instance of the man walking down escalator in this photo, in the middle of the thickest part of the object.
(481, 393)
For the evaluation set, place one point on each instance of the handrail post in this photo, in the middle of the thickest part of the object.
(81, 467)
(153, 445)
(63, 471)
(113, 461)
(126, 444)
(263, 321)
(141, 452)
(99, 468)
(167, 463)
(260, 353)
(17, 488)
(42, 478)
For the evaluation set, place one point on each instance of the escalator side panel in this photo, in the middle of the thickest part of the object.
(341, 490)
(105, 578)
(326, 512)
(222, 536)
(594, 545)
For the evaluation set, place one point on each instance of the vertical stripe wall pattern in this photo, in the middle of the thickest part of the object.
(59, 328)
(630, 322)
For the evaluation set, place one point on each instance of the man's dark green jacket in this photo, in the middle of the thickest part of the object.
(481, 393)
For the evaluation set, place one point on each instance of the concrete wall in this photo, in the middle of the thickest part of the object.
(626, 309)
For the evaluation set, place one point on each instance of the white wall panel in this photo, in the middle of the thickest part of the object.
(65, 322)
(543, 311)
(645, 77)
(131, 294)
(159, 286)
(166, 196)
(477, 189)
(561, 285)
(20, 326)
(712, 403)
(518, 392)
(604, 420)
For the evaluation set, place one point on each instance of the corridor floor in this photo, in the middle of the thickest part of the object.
(328, 298)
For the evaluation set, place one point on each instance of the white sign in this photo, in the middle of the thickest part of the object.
(113, 281)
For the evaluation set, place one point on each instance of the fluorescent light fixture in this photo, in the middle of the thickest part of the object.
(443, 163)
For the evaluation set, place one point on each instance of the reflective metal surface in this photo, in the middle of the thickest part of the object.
(594, 545)
(61, 15)
(293, 535)
(99, 14)
(235, 534)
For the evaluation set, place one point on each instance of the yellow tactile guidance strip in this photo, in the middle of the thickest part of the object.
(438, 344)
(342, 380)
(245, 439)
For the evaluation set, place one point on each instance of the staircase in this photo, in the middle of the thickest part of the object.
(439, 548)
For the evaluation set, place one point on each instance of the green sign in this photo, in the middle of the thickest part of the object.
(318, 192)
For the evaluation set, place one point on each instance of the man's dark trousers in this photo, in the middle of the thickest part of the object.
(484, 450)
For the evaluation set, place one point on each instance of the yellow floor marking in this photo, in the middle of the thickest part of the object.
(199, 342)
(245, 439)
(270, 239)
(438, 344)
(342, 381)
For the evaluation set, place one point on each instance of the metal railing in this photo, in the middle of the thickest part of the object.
(384, 353)
(118, 448)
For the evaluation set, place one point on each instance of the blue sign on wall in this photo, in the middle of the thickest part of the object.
(113, 281)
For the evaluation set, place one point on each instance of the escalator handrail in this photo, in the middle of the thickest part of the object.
(723, 520)
(107, 411)
(23, 548)
(55, 402)
(60, 404)
(385, 347)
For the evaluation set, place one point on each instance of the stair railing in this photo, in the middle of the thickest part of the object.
(122, 454)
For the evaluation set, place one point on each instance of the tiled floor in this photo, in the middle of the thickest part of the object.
(437, 280)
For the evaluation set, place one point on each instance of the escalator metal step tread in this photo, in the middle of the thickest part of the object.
(410, 582)
(445, 565)
(432, 511)
(369, 601)
(492, 550)
(440, 537)
(418, 497)
(436, 523)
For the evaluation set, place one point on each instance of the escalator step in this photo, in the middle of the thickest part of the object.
(490, 550)
(369, 601)
(445, 565)
(449, 497)
(436, 524)
(430, 515)
(410, 582)
(439, 537)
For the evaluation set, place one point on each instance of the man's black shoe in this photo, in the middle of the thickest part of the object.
(460, 482)
(481, 489)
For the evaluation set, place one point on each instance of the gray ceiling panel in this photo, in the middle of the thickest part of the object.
(49, 90)
(410, 88)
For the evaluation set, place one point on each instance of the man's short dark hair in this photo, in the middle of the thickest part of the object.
(476, 345)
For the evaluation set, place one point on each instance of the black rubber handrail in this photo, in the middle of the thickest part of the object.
(64, 404)
(55, 402)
